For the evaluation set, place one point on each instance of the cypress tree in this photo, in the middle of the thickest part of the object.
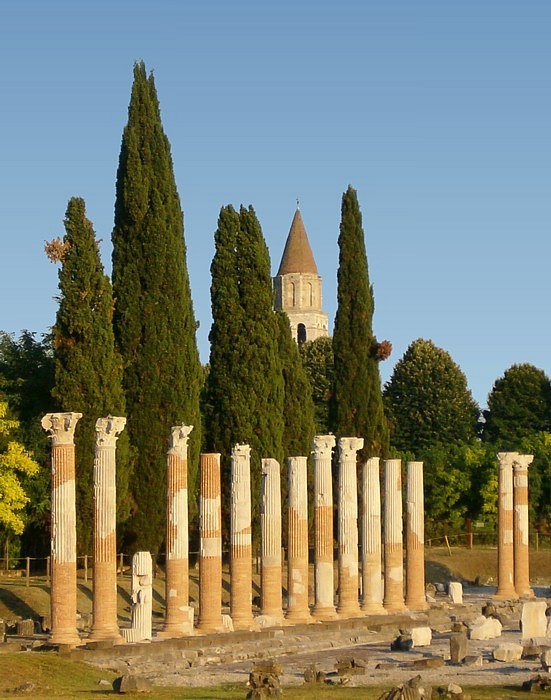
(88, 372)
(356, 405)
(154, 319)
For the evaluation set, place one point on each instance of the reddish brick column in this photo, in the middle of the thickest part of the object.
(521, 525)
(63, 598)
(415, 539)
(505, 544)
(240, 539)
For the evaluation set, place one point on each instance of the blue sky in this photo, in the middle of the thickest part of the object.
(437, 112)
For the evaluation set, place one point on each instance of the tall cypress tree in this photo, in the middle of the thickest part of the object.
(88, 372)
(356, 405)
(154, 319)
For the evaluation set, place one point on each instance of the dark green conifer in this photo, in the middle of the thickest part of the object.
(154, 319)
(88, 371)
(356, 406)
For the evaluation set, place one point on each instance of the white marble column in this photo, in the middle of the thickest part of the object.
(324, 586)
(372, 570)
(521, 525)
(141, 629)
(179, 613)
(416, 598)
(297, 559)
(105, 625)
(240, 539)
(505, 544)
(270, 524)
(348, 527)
(393, 538)
(63, 597)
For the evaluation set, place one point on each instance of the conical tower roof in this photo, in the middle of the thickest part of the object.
(297, 256)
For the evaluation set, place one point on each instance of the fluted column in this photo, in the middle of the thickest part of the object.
(240, 539)
(520, 525)
(393, 538)
(324, 607)
(210, 545)
(505, 541)
(415, 538)
(297, 559)
(105, 625)
(270, 523)
(179, 613)
(348, 527)
(63, 597)
(372, 570)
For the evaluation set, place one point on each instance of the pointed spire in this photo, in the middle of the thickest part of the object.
(297, 256)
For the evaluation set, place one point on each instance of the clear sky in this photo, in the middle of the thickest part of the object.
(438, 112)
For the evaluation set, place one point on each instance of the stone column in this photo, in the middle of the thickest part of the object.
(179, 613)
(241, 574)
(297, 559)
(270, 524)
(520, 525)
(415, 538)
(324, 607)
(372, 571)
(142, 599)
(210, 545)
(105, 625)
(505, 544)
(348, 527)
(63, 597)
(393, 534)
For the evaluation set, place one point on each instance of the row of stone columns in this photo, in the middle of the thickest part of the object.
(513, 565)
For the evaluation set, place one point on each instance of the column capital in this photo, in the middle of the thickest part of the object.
(61, 427)
(323, 444)
(269, 465)
(108, 429)
(506, 459)
(243, 451)
(522, 462)
(179, 435)
(348, 446)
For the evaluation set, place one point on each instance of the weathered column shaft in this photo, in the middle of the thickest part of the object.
(63, 597)
(142, 599)
(270, 523)
(210, 544)
(240, 539)
(179, 614)
(505, 543)
(324, 607)
(348, 526)
(521, 525)
(105, 625)
(297, 559)
(372, 570)
(393, 538)
(415, 538)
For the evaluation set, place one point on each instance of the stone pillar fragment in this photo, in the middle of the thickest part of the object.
(270, 523)
(520, 525)
(240, 539)
(372, 570)
(297, 559)
(210, 545)
(505, 541)
(415, 538)
(63, 597)
(142, 599)
(393, 538)
(348, 527)
(105, 625)
(324, 606)
(179, 613)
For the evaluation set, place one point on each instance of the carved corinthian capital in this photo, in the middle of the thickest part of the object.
(61, 427)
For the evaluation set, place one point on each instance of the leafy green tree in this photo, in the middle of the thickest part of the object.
(356, 403)
(154, 321)
(88, 373)
(317, 357)
(428, 402)
(518, 405)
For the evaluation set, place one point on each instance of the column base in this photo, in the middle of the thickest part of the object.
(506, 595)
(349, 611)
(418, 604)
(68, 637)
(269, 620)
(244, 624)
(113, 636)
(395, 608)
(324, 613)
(373, 609)
(296, 617)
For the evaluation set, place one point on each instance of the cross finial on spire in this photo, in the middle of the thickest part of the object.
(298, 204)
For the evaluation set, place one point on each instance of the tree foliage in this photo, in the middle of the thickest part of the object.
(88, 372)
(427, 400)
(356, 403)
(317, 357)
(154, 320)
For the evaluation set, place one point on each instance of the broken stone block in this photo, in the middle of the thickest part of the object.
(489, 610)
(473, 660)
(537, 683)
(414, 689)
(25, 628)
(402, 643)
(508, 652)
(429, 662)
(458, 647)
(421, 636)
(483, 628)
(132, 684)
(455, 591)
(546, 660)
(533, 622)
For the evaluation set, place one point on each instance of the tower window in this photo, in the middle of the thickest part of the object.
(301, 333)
